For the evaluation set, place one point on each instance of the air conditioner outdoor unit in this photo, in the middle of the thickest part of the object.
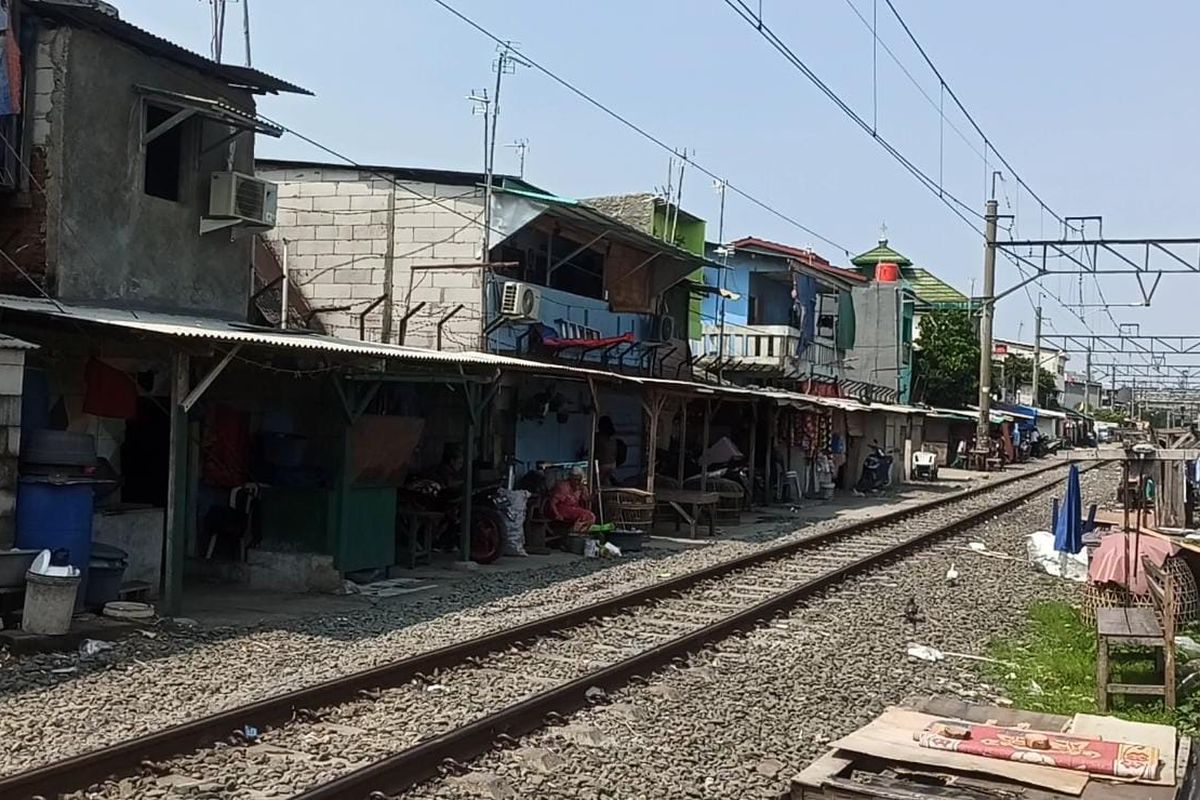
(243, 198)
(520, 301)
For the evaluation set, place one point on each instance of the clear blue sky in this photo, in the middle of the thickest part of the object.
(1092, 101)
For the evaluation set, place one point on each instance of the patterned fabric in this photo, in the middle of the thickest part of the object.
(10, 65)
(1094, 756)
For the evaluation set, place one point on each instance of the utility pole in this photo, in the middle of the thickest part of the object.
(721, 283)
(246, 27)
(520, 145)
(1087, 383)
(1037, 353)
(982, 430)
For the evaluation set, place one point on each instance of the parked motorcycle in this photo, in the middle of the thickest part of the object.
(876, 471)
(489, 515)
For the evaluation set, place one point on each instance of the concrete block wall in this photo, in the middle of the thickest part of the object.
(336, 222)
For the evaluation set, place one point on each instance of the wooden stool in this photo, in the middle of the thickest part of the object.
(415, 531)
(1139, 627)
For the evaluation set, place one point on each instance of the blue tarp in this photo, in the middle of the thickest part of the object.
(1068, 528)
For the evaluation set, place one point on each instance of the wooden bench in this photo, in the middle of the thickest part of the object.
(689, 506)
(1153, 628)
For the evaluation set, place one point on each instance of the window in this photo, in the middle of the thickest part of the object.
(752, 310)
(164, 156)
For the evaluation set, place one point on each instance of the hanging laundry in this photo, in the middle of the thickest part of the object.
(109, 392)
(10, 64)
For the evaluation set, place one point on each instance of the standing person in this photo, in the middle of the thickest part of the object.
(609, 451)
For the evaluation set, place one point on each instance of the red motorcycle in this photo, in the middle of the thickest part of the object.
(489, 516)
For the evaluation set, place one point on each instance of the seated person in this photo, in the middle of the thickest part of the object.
(568, 502)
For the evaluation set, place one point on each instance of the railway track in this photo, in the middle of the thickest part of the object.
(384, 730)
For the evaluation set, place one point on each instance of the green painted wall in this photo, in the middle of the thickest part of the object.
(690, 236)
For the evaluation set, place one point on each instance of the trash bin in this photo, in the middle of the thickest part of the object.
(49, 603)
(106, 572)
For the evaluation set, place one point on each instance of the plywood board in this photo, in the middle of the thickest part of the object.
(891, 736)
(827, 766)
(1112, 729)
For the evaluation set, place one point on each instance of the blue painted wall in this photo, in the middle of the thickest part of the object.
(559, 305)
(737, 278)
(551, 440)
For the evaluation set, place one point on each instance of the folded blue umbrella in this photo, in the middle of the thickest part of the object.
(1068, 528)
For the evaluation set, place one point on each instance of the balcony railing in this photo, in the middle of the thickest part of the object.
(772, 350)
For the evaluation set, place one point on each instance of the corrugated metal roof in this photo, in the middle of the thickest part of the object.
(806, 257)
(880, 254)
(229, 332)
(207, 328)
(930, 288)
(215, 109)
(147, 42)
(13, 343)
(579, 211)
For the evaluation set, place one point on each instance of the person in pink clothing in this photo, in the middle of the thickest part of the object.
(569, 501)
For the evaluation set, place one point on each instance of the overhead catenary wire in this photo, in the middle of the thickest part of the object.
(641, 131)
(990, 145)
(957, 206)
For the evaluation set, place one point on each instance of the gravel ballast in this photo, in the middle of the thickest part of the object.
(145, 684)
(748, 714)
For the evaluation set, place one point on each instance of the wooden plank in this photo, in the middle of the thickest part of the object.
(1112, 622)
(1143, 622)
(829, 765)
(891, 736)
(1136, 688)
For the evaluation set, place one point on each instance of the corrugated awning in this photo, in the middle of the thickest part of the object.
(303, 341)
(212, 109)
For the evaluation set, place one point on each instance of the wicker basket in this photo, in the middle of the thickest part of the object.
(630, 509)
(1111, 595)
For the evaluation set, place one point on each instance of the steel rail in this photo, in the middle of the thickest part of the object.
(125, 758)
(421, 762)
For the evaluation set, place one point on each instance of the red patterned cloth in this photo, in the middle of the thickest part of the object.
(1094, 756)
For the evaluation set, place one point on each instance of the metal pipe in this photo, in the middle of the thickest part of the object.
(283, 290)
(404, 321)
(442, 322)
(362, 318)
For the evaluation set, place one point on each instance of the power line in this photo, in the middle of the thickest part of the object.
(951, 201)
(592, 101)
(744, 11)
(1021, 183)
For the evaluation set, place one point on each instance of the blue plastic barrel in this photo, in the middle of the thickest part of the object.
(54, 515)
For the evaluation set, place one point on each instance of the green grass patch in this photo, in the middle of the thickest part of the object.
(1050, 666)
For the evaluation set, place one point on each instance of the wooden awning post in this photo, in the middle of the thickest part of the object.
(708, 412)
(177, 481)
(683, 409)
(753, 452)
(652, 406)
(772, 418)
(593, 467)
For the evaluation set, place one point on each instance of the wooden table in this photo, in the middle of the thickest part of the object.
(696, 501)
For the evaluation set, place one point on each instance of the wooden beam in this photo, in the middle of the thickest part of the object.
(196, 393)
(177, 471)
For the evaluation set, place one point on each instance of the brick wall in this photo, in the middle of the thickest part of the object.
(336, 223)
